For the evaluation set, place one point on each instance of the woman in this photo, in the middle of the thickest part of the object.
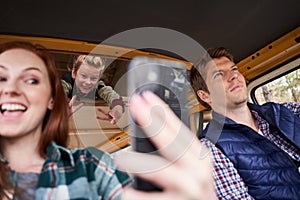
(34, 160)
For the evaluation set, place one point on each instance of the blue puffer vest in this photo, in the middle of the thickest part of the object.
(268, 172)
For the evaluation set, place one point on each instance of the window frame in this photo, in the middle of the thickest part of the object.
(271, 76)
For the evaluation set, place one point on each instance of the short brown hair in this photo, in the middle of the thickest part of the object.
(93, 60)
(198, 71)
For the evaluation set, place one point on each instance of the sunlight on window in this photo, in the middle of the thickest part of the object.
(283, 89)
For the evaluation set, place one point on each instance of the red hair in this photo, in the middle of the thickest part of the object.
(55, 123)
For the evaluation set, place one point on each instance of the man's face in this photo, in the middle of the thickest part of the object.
(86, 78)
(226, 85)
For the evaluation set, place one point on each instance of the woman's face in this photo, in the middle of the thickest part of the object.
(25, 93)
(86, 78)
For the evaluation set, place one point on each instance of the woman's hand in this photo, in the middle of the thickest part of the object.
(184, 169)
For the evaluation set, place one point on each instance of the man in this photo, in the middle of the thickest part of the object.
(255, 148)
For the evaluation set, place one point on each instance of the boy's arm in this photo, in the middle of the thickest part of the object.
(109, 95)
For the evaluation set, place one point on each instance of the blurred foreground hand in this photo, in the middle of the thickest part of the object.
(184, 169)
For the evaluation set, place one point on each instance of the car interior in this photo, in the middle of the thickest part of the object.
(264, 36)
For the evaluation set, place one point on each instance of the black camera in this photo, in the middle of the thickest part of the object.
(168, 80)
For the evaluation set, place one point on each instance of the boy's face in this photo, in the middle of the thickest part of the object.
(86, 78)
(226, 85)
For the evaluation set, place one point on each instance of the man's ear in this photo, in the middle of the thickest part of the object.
(204, 96)
(50, 104)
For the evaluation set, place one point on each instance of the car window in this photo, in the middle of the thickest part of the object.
(279, 86)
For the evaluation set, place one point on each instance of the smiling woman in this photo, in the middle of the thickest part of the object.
(34, 134)
(21, 71)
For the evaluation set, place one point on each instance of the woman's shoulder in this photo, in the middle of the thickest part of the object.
(91, 153)
(86, 155)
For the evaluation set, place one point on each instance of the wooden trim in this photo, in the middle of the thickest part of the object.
(271, 56)
(115, 143)
(81, 47)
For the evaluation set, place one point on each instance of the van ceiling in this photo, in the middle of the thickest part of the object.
(242, 26)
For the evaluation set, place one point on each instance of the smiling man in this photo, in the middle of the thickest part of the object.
(255, 148)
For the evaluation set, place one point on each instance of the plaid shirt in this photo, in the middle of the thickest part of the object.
(79, 174)
(229, 184)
